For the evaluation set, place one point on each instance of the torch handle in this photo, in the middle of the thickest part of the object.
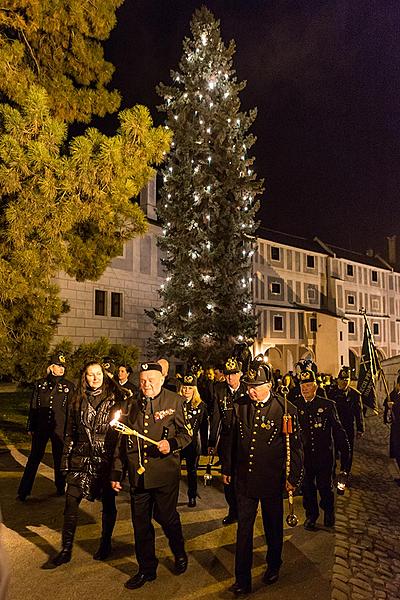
(125, 430)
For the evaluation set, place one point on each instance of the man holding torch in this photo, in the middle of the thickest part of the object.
(157, 432)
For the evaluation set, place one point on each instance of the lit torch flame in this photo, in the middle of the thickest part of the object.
(116, 418)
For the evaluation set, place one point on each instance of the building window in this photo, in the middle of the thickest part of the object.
(313, 324)
(351, 299)
(275, 288)
(116, 304)
(376, 329)
(351, 327)
(374, 276)
(100, 297)
(275, 253)
(311, 294)
(341, 336)
(375, 304)
(350, 271)
(310, 261)
(278, 323)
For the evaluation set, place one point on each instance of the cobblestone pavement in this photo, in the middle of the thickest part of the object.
(367, 544)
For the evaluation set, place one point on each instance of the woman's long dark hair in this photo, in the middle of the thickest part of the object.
(80, 390)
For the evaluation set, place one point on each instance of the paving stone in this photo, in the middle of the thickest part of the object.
(339, 595)
(392, 587)
(342, 586)
(364, 585)
(342, 570)
(341, 561)
(341, 552)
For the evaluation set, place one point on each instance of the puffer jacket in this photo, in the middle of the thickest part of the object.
(89, 446)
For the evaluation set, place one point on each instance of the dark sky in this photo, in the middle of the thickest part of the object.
(325, 77)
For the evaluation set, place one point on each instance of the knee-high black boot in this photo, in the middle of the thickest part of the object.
(107, 522)
(67, 537)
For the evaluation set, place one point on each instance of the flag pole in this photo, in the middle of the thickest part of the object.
(377, 361)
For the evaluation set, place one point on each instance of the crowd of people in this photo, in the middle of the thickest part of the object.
(273, 435)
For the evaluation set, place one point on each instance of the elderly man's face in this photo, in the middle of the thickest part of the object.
(57, 370)
(308, 390)
(258, 393)
(151, 383)
(233, 379)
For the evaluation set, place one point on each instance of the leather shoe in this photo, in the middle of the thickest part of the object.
(270, 576)
(229, 519)
(329, 519)
(192, 502)
(62, 557)
(181, 563)
(103, 551)
(138, 580)
(240, 590)
(309, 525)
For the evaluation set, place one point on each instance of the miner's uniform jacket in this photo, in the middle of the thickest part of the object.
(256, 447)
(46, 421)
(158, 418)
(222, 413)
(321, 430)
(154, 477)
(320, 427)
(256, 455)
(195, 416)
(350, 410)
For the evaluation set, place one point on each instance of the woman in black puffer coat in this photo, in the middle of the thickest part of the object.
(87, 456)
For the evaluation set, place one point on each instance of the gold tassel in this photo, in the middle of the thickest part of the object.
(287, 426)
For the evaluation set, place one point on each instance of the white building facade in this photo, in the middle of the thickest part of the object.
(307, 296)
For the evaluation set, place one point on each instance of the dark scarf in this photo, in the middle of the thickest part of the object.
(94, 396)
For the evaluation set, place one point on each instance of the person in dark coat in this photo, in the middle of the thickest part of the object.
(154, 471)
(46, 421)
(350, 408)
(124, 373)
(320, 428)
(391, 416)
(87, 456)
(195, 412)
(255, 456)
(226, 393)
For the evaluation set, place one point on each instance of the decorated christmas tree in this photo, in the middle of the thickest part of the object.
(208, 203)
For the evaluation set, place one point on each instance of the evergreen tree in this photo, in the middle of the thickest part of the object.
(65, 204)
(57, 44)
(208, 203)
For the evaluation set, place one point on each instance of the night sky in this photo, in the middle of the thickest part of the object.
(325, 78)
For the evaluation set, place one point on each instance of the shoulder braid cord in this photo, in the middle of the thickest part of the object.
(287, 429)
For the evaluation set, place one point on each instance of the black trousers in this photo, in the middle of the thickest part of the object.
(230, 497)
(272, 516)
(159, 503)
(192, 462)
(318, 479)
(38, 448)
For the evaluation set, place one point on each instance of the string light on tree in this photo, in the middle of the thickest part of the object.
(203, 242)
